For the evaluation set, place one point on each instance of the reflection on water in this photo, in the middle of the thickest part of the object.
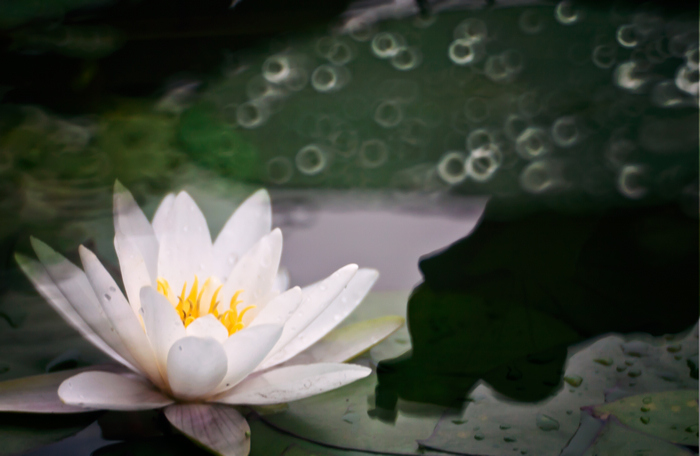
(578, 122)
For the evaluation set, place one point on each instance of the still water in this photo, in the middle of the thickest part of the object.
(524, 175)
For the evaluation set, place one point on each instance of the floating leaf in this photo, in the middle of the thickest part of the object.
(267, 441)
(321, 419)
(493, 425)
(670, 415)
(617, 440)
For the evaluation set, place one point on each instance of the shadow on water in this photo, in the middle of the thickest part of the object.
(503, 304)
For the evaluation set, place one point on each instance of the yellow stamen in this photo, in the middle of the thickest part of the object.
(189, 306)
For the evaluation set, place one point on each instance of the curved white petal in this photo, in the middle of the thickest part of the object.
(292, 383)
(246, 226)
(208, 326)
(219, 428)
(163, 325)
(245, 350)
(161, 215)
(185, 245)
(347, 342)
(107, 391)
(117, 309)
(282, 280)
(131, 221)
(316, 299)
(335, 313)
(255, 272)
(196, 365)
(134, 271)
(45, 286)
(76, 288)
(278, 310)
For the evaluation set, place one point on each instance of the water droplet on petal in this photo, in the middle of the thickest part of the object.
(108, 297)
(479, 436)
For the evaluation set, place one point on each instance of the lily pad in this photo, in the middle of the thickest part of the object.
(340, 418)
(268, 441)
(617, 440)
(493, 425)
(670, 415)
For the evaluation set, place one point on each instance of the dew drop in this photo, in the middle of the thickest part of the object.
(108, 297)
(573, 380)
(674, 348)
(509, 439)
(479, 436)
(634, 373)
(604, 361)
(547, 423)
(504, 427)
(351, 417)
(112, 289)
(644, 419)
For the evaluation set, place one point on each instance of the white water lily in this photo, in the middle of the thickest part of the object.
(202, 324)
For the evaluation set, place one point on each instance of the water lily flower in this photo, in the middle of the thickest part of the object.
(202, 326)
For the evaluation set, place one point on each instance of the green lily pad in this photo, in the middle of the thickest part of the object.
(340, 418)
(268, 441)
(493, 425)
(670, 415)
(617, 440)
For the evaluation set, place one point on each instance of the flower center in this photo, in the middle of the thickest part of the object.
(192, 305)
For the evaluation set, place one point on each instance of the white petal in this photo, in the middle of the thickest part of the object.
(45, 286)
(217, 427)
(282, 280)
(245, 350)
(207, 326)
(39, 393)
(131, 221)
(76, 288)
(196, 365)
(134, 271)
(315, 300)
(125, 321)
(292, 383)
(185, 245)
(255, 272)
(246, 226)
(163, 325)
(347, 342)
(103, 390)
(278, 310)
(335, 313)
(160, 217)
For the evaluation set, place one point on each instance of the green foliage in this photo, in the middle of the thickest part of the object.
(213, 144)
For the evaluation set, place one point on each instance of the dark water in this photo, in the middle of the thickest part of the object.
(382, 130)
